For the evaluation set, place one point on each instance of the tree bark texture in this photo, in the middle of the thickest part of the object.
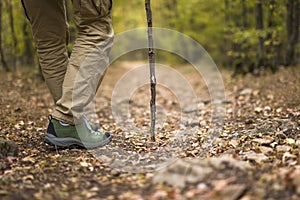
(152, 69)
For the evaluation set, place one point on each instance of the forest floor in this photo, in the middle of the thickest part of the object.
(255, 156)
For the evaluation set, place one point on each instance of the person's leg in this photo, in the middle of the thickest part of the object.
(49, 28)
(89, 58)
(50, 32)
(87, 65)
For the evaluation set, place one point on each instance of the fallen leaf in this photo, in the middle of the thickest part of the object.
(263, 141)
(84, 164)
(258, 110)
(287, 156)
(290, 141)
(265, 150)
(28, 160)
(28, 177)
(283, 148)
(257, 157)
(246, 91)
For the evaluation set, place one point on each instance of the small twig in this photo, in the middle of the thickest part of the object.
(152, 70)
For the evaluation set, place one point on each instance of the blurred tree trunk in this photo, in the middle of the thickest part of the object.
(225, 47)
(241, 21)
(259, 28)
(3, 62)
(271, 11)
(244, 14)
(28, 52)
(226, 11)
(292, 25)
(13, 32)
(272, 49)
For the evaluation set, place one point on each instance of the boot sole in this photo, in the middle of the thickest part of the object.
(67, 142)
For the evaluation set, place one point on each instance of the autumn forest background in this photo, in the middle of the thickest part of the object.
(244, 35)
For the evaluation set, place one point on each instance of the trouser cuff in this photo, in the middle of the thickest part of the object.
(66, 118)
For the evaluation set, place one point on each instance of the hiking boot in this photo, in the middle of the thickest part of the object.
(93, 126)
(65, 135)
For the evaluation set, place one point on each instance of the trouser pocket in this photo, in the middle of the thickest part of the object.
(92, 8)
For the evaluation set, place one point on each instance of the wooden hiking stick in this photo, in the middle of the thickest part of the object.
(152, 69)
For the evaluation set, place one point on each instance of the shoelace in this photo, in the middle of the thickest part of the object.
(86, 121)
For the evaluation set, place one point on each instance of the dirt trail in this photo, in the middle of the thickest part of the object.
(256, 155)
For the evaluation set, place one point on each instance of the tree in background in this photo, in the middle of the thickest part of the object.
(28, 54)
(3, 62)
(16, 43)
(10, 11)
(259, 28)
(292, 24)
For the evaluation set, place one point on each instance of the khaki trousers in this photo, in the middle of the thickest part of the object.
(72, 81)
